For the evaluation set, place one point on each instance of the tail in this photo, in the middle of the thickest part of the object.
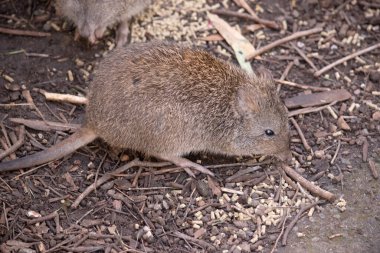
(79, 139)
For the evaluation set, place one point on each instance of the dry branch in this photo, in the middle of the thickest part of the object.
(45, 125)
(308, 185)
(282, 41)
(16, 145)
(301, 86)
(108, 176)
(344, 59)
(23, 32)
(296, 218)
(301, 135)
(267, 23)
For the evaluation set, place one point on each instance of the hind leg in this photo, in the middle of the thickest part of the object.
(185, 163)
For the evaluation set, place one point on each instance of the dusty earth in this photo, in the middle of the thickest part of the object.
(143, 210)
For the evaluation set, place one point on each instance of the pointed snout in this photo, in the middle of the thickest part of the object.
(284, 156)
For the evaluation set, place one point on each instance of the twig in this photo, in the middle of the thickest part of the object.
(296, 218)
(309, 110)
(265, 22)
(23, 32)
(16, 145)
(288, 180)
(344, 59)
(242, 172)
(285, 74)
(365, 150)
(336, 153)
(279, 236)
(45, 126)
(302, 86)
(283, 40)
(84, 248)
(63, 97)
(108, 176)
(300, 133)
(307, 184)
(43, 218)
(372, 167)
(29, 99)
(304, 56)
(202, 243)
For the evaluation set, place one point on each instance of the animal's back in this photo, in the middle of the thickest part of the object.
(152, 94)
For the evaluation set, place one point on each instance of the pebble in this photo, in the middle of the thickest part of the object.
(374, 76)
(319, 153)
(15, 95)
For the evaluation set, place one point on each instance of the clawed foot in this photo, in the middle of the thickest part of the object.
(186, 164)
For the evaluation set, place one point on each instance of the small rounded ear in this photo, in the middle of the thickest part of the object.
(246, 102)
(266, 78)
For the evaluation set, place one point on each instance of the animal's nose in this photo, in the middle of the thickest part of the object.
(284, 156)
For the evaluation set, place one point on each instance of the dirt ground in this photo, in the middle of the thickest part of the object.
(143, 210)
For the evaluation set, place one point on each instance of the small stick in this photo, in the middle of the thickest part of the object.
(283, 40)
(265, 22)
(202, 243)
(331, 111)
(372, 167)
(279, 236)
(43, 218)
(288, 180)
(5, 134)
(344, 59)
(63, 97)
(45, 125)
(302, 86)
(108, 176)
(307, 184)
(24, 32)
(304, 56)
(309, 110)
(336, 153)
(300, 133)
(365, 150)
(296, 218)
(11, 105)
(285, 74)
(84, 248)
(14, 147)
(29, 99)
(136, 179)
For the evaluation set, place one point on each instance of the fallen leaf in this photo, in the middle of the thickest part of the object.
(241, 46)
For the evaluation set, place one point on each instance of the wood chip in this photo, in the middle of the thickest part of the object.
(314, 99)
(373, 168)
(342, 124)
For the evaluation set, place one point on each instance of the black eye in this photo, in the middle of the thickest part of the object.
(269, 132)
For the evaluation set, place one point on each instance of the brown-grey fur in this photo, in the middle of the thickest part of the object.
(167, 100)
(92, 17)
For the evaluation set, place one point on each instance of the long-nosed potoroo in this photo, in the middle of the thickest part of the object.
(167, 101)
(92, 17)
